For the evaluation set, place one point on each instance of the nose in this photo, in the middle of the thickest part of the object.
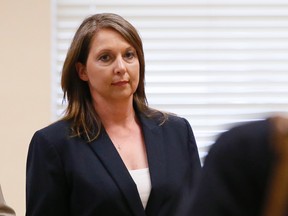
(120, 67)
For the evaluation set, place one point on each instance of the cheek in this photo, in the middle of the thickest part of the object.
(136, 71)
(95, 80)
(94, 73)
(136, 75)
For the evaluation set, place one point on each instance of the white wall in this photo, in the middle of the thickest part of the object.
(24, 88)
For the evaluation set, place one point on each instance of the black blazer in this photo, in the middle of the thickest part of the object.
(236, 171)
(67, 176)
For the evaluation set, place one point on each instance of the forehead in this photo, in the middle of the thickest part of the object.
(108, 36)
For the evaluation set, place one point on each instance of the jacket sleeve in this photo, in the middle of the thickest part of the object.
(193, 151)
(189, 183)
(46, 187)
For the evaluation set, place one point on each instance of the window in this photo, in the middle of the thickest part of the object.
(216, 63)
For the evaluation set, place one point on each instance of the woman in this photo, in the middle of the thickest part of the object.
(111, 154)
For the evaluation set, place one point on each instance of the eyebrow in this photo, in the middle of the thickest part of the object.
(130, 48)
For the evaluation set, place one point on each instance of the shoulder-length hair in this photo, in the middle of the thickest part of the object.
(85, 122)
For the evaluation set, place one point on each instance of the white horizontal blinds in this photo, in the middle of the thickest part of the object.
(214, 62)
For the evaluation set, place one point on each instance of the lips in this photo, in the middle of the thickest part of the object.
(120, 83)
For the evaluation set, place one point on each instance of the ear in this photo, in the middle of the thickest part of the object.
(81, 70)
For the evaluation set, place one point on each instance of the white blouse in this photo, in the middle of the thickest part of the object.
(141, 178)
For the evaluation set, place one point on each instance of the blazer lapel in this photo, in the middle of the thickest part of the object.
(106, 152)
(153, 137)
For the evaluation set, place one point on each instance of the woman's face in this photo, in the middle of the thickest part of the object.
(112, 67)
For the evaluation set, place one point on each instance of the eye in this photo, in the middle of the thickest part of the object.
(130, 55)
(104, 58)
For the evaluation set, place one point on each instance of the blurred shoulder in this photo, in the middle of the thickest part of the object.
(250, 133)
(249, 129)
(242, 142)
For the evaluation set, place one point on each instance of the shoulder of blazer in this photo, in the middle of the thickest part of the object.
(177, 123)
(172, 120)
(60, 128)
(56, 134)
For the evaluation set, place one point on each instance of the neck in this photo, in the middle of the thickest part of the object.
(121, 112)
